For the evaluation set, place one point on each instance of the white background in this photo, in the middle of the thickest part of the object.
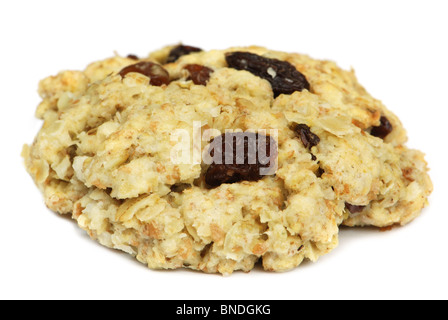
(398, 49)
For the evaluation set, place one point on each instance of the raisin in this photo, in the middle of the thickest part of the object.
(240, 157)
(320, 172)
(383, 130)
(308, 138)
(198, 74)
(133, 57)
(283, 76)
(354, 209)
(180, 51)
(158, 75)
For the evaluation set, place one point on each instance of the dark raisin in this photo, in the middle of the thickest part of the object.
(240, 157)
(320, 172)
(283, 76)
(198, 74)
(354, 209)
(383, 130)
(308, 138)
(133, 57)
(180, 51)
(157, 74)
